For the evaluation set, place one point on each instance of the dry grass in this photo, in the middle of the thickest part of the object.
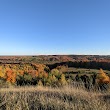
(45, 98)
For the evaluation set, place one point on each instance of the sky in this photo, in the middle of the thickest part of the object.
(36, 27)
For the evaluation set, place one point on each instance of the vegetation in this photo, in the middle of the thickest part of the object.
(40, 74)
(38, 86)
(45, 98)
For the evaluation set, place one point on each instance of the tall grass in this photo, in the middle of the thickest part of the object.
(47, 98)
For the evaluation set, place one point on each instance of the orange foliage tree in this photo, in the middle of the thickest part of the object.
(102, 77)
(10, 76)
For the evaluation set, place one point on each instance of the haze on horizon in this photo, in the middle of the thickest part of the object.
(37, 27)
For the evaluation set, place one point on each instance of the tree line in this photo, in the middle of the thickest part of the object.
(82, 64)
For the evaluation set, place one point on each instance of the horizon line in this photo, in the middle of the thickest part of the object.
(52, 54)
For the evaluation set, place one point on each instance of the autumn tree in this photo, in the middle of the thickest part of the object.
(10, 76)
(102, 77)
(63, 80)
(56, 73)
(40, 83)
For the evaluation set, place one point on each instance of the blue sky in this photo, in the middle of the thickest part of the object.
(32, 27)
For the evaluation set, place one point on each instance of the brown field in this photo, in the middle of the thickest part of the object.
(45, 98)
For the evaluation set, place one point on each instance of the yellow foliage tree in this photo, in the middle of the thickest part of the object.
(2, 75)
(102, 77)
(40, 83)
(55, 72)
(63, 80)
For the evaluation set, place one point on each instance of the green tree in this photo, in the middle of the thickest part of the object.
(56, 73)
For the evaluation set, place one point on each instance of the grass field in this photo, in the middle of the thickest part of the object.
(46, 98)
(84, 70)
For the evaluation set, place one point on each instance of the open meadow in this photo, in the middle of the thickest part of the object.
(46, 98)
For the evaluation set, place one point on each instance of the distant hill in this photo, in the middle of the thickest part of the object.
(54, 58)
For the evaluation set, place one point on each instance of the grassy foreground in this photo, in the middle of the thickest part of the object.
(46, 98)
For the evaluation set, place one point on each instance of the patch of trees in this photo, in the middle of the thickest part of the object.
(81, 64)
(40, 74)
(99, 81)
